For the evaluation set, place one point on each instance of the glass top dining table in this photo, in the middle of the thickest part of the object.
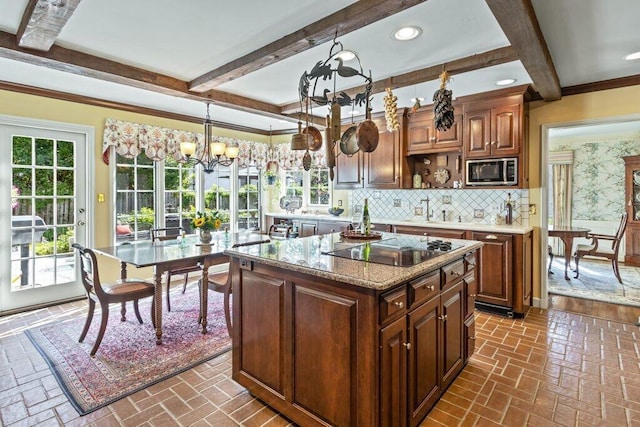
(173, 254)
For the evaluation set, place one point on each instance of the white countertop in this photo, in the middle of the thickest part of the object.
(420, 222)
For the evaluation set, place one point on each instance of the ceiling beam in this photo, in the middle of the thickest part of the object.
(42, 22)
(519, 23)
(70, 61)
(474, 62)
(344, 21)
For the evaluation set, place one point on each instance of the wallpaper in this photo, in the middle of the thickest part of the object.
(598, 175)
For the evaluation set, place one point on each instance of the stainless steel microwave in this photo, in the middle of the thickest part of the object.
(492, 172)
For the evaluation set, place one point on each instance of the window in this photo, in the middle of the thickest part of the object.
(217, 193)
(249, 198)
(313, 186)
(135, 197)
(179, 194)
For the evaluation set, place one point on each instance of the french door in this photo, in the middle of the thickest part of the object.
(43, 190)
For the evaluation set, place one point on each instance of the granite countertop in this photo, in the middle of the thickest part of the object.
(419, 222)
(308, 255)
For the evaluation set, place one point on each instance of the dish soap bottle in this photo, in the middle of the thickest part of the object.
(509, 203)
(366, 219)
(417, 179)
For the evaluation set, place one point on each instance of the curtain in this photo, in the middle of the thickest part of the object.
(132, 139)
(562, 173)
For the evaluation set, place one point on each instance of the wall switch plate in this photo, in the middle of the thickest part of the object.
(397, 203)
(340, 203)
(100, 197)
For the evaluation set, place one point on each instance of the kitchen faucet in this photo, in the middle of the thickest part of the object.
(429, 213)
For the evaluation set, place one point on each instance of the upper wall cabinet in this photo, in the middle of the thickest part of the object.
(386, 167)
(424, 138)
(493, 128)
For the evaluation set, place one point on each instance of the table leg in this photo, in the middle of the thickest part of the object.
(568, 245)
(204, 295)
(157, 294)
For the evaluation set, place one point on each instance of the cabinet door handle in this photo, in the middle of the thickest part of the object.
(443, 317)
(473, 295)
(430, 287)
(456, 274)
(493, 143)
(399, 304)
(472, 338)
(407, 345)
(486, 143)
(491, 237)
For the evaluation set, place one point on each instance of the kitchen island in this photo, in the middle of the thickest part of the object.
(332, 331)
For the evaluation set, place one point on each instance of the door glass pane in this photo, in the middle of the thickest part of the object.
(249, 198)
(135, 198)
(42, 222)
(217, 185)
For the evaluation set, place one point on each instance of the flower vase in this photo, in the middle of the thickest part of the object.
(205, 237)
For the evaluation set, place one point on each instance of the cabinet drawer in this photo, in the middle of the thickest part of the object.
(452, 272)
(393, 303)
(470, 337)
(470, 291)
(423, 288)
(470, 261)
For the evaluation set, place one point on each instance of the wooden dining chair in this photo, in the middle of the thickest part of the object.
(120, 291)
(172, 233)
(550, 252)
(221, 282)
(596, 250)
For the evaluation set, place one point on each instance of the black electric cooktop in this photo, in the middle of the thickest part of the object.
(398, 251)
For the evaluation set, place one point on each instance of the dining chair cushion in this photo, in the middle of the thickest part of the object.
(126, 286)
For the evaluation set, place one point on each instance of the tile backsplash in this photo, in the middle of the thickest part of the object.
(466, 205)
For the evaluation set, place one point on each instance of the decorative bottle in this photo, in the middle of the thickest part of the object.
(509, 203)
(366, 219)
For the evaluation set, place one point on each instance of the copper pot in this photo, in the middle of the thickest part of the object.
(314, 137)
(367, 133)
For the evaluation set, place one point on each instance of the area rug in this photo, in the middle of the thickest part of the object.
(596, 282)
(128, 359)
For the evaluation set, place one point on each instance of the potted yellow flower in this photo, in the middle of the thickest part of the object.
(205, 222)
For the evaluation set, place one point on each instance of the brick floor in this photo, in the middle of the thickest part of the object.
(553, 368)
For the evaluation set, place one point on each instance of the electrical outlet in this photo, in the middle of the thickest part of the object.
(340, 203)
(377, 195)
(397, 203)
(446, 200)
(417, 211)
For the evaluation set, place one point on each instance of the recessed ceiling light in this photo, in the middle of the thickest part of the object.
(635, 55)
(353, 112)
(407, 33)
(345, 55)
(505, 82)
(283, 121)
(419, 99)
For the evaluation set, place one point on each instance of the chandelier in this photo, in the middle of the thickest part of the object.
(214, 152)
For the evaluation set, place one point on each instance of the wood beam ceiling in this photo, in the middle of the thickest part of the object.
(42, 21)
(344, 21)
(520, 24)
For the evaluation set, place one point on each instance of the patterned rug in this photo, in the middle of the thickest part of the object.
(596, 282)
(128, 359)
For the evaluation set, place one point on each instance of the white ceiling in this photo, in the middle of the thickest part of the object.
(587, 40)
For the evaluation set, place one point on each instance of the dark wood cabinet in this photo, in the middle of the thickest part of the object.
(329, 353)
(493, 128)
(505, 272)
(433, 232)
(424, 138)
(386, 167)
(632, 205)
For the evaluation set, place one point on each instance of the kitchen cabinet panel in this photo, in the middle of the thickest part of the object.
(423, 136)
(632, 205)
(493, 128)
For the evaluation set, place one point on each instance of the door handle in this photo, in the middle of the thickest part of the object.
(81, 223)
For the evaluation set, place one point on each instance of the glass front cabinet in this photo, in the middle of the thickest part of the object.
(632, 205)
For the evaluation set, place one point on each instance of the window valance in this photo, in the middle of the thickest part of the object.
(130, 139)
